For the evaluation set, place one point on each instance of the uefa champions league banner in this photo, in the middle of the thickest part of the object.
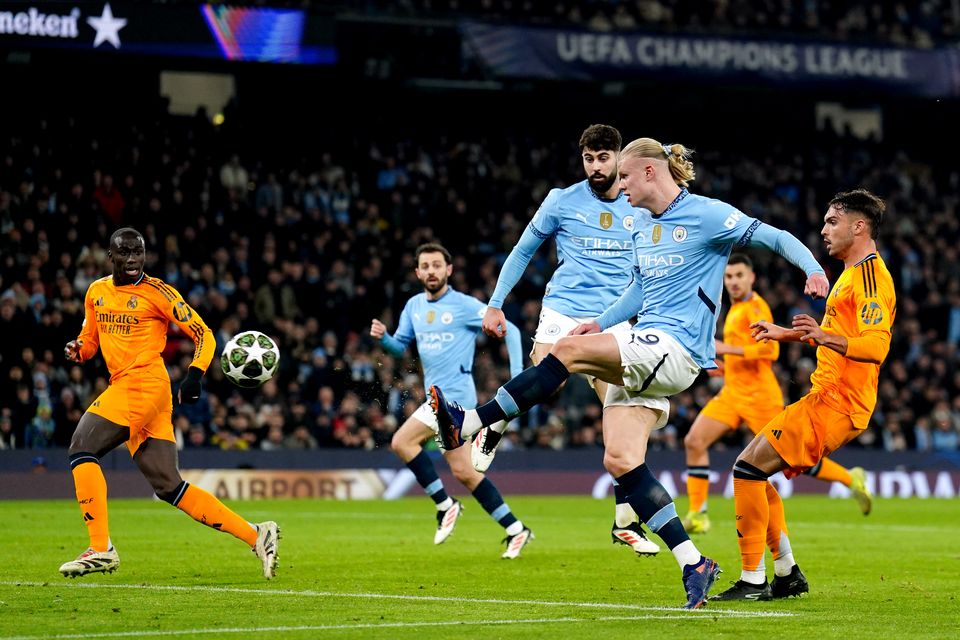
(530, 52)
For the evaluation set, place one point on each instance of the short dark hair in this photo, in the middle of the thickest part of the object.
(600, 136)
(740, 258)
(433, 247)
(862, 202)
(122, 231)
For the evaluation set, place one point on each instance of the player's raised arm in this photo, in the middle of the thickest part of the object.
(543, 225)
(795, 252)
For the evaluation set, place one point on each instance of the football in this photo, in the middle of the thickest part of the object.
(250, 358)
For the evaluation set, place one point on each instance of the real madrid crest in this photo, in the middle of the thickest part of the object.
(606, 219)
(679, 234)
(657, 232)
(132, 302)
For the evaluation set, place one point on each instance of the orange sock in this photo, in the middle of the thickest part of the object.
(698, 487)
(752, 513)
(777, 525)
(829, 471)
(91, 489)
(206, 509)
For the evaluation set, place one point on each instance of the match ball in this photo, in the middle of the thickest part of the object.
(249, 359)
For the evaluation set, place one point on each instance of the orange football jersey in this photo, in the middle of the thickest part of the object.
(129, 324)
(751, 374)
(861, 306)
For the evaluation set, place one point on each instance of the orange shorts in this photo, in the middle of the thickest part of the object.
(736, 411)
(142, 402)
(807, 431)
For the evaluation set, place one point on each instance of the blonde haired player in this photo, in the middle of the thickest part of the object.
(127, 316)
(680, 246)
(751, 395)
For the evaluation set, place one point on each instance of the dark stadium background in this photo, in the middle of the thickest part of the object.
(475, 154)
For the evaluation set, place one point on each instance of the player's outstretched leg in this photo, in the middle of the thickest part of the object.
(206, 509)
(854, 479)
(449, 420)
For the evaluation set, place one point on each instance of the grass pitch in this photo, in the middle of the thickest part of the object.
(370, 570)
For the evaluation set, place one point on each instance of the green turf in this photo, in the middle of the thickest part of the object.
(894, 574)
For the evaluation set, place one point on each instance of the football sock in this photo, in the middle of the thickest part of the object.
(499, 427)
(655, 507)
(752, 515)
(426, 475)
(777, 539)
(528, 388)
(829, 471)
(698, 485)
(624, 515)
(91, 489)
(206, 509)
(493, 438)
(492, 502)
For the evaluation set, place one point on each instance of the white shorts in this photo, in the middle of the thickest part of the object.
(426, 415)
(655, 367)
(554, 325)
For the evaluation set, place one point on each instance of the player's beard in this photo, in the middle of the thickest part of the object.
(433, 286)
(600, 183)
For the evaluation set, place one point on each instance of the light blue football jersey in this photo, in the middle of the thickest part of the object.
(680, 257)
(594, 251)
(446, 333)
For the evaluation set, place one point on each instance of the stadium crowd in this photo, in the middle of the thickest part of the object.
(310, 250)
(911, 24)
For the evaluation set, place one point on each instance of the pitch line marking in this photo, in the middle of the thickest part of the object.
(339, 627)
(309, 593)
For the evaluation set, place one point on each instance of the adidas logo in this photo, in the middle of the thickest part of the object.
(776, 433)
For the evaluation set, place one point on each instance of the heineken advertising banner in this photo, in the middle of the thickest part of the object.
(527, 52)
(202, 31)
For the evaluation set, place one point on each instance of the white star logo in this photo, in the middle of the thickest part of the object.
(108, 27)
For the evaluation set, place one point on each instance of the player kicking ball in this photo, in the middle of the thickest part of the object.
(127, 315)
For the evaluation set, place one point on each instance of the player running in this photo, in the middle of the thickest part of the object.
(591, 223)
(445, 323)
(751, 395)
(127, 316)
